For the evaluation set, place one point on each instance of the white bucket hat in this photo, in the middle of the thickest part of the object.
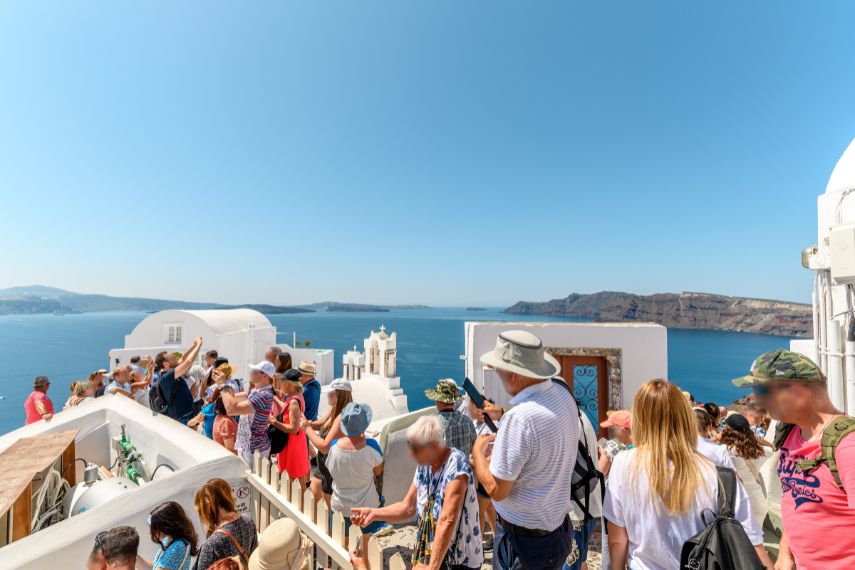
(522, 353)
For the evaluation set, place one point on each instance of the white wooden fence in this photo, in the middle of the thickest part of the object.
(276, 496)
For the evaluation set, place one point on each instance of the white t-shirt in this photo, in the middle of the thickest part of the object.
(656, 538)
(353, 476)
(196, 375)
(716, 453)
(755, 489)
(536, 447)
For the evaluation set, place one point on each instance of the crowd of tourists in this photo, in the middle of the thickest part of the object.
(675, 483)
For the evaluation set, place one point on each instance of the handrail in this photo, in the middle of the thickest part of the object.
(276, 496)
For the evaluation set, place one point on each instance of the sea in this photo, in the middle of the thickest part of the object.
(430, 343)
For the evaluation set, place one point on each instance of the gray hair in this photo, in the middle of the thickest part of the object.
(427, 429)
(276, 350)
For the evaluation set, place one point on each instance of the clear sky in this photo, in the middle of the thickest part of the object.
(441, 152)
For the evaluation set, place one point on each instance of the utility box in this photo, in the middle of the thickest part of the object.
(841, 242)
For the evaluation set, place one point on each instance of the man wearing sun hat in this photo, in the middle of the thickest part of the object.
(529, 473)
(815, 441)
(311, 389)
(459, 430)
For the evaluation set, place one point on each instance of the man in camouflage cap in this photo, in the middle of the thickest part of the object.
(817, 462)
(459, 430)
(781, 364)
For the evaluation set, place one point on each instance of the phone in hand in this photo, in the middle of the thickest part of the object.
(478, 399)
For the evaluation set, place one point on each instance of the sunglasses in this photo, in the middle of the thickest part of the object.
(99, 539)
(764, 390)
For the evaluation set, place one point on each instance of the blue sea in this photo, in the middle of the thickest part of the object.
(430, 342)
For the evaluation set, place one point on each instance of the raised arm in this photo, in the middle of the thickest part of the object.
(189, 357)
(235, 406)
(323, 445)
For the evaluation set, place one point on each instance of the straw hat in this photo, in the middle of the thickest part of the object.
(522, 353)
(307, 367)
(280, 547)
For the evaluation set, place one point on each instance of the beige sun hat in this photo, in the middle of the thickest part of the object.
(522, 353)
(281, 547)
(307, 367)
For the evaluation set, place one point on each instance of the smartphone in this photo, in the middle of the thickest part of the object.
(478, 400)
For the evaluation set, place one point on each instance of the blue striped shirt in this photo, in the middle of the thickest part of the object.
(536, 448)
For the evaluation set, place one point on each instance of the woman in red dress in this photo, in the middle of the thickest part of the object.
(294, 459)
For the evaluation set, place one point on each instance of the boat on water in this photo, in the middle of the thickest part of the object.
(110, 461)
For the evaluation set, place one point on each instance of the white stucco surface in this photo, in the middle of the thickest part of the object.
(643, 346)
(194, 457)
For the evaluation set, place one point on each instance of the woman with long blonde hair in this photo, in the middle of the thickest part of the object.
(658, 491)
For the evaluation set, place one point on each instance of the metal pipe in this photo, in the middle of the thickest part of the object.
(835, 371)
(849, 363)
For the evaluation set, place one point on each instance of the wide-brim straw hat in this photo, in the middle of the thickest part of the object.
(280, 547)
(307, 367)
(522, 353)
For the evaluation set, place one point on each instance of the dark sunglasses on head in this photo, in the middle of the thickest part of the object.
(99, 539)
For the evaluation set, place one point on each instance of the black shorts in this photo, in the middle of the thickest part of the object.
(320, 472)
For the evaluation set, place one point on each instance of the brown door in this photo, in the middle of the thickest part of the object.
(588, 377)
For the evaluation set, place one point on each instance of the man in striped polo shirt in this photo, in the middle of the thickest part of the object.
(253, 409)
(528, 473)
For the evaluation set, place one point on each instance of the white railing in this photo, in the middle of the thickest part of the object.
(276, 496)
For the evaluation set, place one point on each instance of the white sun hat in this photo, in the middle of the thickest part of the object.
(522, 353)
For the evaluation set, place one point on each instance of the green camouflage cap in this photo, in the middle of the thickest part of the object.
(446, 391)
(781, 364)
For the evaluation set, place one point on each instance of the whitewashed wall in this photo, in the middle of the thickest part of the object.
(644, 348)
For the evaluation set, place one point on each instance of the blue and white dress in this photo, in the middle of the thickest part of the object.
(176, 556)
(466, 547)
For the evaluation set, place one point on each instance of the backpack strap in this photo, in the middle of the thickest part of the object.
(583, 448)
(832, 435)
(782, 432)
(726, 491)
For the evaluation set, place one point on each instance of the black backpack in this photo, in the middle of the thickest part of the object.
(585, 472)
(156, 399)
(723, 544)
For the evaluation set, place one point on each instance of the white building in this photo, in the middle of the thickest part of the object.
(241, 335)
(604, 363)
(373, 375)
(833, 261)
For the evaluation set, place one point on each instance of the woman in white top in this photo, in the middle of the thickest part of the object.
(658, 490)
(354, 461)
(748, 455)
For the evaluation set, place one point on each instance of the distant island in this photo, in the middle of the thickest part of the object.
(334, 307)
(680, 311)
(475, 309)
(39, 299)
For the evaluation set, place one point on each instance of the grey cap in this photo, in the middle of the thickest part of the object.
(355, 418)
(41, 381)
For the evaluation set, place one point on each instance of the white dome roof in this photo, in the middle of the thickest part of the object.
(843, 175)
(221, 321)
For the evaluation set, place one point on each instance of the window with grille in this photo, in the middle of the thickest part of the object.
(172, 334)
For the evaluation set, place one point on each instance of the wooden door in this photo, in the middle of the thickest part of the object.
(588, 377)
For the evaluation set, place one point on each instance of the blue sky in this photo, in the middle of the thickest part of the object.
(441, 152)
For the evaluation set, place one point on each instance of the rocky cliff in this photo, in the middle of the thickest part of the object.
(680, 311)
